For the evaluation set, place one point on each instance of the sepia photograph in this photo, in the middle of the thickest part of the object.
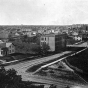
(43, 43)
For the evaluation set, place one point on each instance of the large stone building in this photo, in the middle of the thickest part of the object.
(56, 42)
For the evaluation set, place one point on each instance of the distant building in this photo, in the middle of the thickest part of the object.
(4, 35)
(6, 48)
(25, 30)
(79, 38)
(28, 32)
(41, 31)
(17, 34)
(57, 30)
(75, 34)
(55, 42)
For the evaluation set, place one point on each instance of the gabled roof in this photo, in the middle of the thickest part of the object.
(1, 41)
(8, 44)
(3, 45)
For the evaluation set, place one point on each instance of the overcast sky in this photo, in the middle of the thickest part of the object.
(43, 12)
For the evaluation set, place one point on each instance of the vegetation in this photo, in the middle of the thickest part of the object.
(30, 45)
(23, 47)
(80, 61)
(10, 79)
(44, 49)
(72, 41)
(34, 39)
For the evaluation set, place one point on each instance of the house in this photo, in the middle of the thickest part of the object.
(28, 32)
(13, 35)
(6, 48)
(74, 33)
(56, 42)
(79, 38)
(47, 31)
(17, 34)
(57, 31)
(76, 36)
(25, 30)
(31, 33)
(34, 33)
(40, 31)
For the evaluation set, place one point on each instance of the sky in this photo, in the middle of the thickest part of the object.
(43, 12)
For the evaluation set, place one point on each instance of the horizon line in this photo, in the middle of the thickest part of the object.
(41, 25)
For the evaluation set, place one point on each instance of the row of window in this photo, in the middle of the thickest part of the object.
(43, 43)
(43, 38)
(11, 46)
(11, 51)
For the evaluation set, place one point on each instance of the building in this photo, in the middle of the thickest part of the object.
(40, 31)
(6, 48)
(55, 42)
(78, 38)
(25, 30)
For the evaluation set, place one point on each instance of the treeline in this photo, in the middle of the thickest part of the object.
(30, 45)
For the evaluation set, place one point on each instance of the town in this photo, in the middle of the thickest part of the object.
(44, 56)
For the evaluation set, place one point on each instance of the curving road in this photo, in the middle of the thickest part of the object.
(23, 66)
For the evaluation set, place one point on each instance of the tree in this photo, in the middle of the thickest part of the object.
(44, 48)
(35, 48)
(25, 38)
(10, 79)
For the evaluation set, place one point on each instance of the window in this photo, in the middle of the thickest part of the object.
(10, 51)
(2, 52)
(45, 38)
(42, 38)
(13, 51)
(41, 43)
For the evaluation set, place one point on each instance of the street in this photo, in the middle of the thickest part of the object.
(23, 66)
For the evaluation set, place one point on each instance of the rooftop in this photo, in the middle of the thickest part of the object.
(3, 45)
(52, 34)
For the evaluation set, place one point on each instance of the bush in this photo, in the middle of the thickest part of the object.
(10, 79)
